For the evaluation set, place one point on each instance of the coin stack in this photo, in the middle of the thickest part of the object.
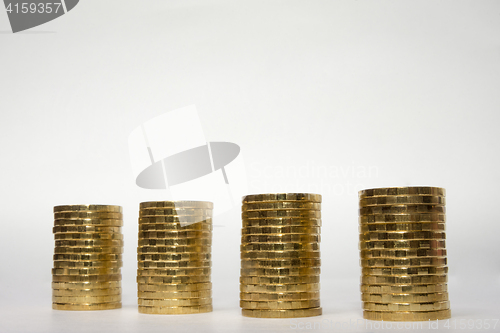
(174, 254)
(403, 254)
(280, 258)
(88, 257)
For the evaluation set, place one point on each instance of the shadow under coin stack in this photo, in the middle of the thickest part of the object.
(174, 257)
(403, 255)
(88, 257)
(280, 258)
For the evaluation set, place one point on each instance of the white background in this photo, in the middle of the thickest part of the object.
(380, 93)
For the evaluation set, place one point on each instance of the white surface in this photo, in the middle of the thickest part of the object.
(186, 132)
(322, 96)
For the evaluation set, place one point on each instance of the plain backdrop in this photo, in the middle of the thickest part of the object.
(327, 97)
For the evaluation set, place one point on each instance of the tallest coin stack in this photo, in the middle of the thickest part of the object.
(403, 254)
(280, 258)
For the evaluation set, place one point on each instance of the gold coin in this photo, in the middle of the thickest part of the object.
(94, 230)
(385, 227)
(87, 299)
(279, 288)
(75, 208)
(271, 297)
(85, 271)
(175, 302)
(88, 222)
(174, 272)
(404, 298)
(289, 238)
(267, 272)
(280, 305)
(281, 205)
(85, 278)
(404, 289)
(174, 294)
(88, 292)
(270, 280)
(188, 236)
(88, 250)
(89, 264)
(174, 236)
(259, 214)
(282, 221)
(407, 316)
(174, 287)
(280, 230)
(419, 270)
(288, 247)
(402, 209)
(407, 190)
(175, 310)
(174, 264)
(283, 255)
(173, 256)
(419, 279)
(80, 286)
(402, 200)
(433, 306)
(88, 236)
(173, 279)
(401, 235)
(282, 197)
(175, 242)
(88, 242)
(177, 204)
(172, 233)
(296, 313)
(281, 263)
(87, 215)
(386, 262)
(175, 212)
(403, 218)
(175, 227)
(181, 220)
(368, 254)
(86, 307)
(403, 244)
(173, 249)
(87, 257)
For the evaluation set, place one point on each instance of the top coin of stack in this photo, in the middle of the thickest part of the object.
(88, 257)
(280, 258)
(174, 254)
(403, 254)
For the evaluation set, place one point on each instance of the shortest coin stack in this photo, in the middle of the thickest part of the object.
(87, 257)
(280, 258)
(173, 257)
(403, 254)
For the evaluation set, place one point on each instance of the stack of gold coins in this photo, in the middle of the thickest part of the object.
(88, 257)
(403, 255)
(174, 257)
(280, 258)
